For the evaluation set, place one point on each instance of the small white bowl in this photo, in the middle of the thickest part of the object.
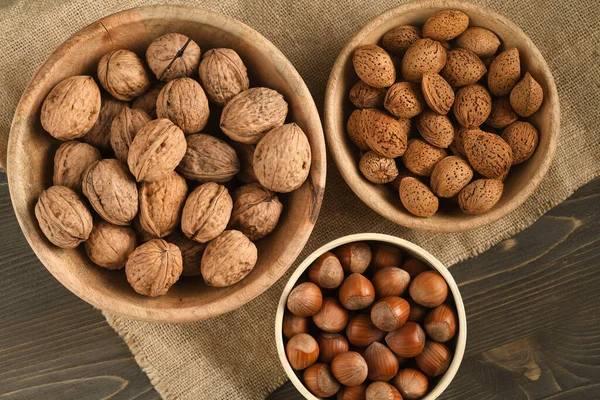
(416, 252)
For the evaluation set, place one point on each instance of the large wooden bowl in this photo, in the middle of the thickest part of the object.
(31, 152)
(523, 179)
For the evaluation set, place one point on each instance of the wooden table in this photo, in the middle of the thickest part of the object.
(532, 306)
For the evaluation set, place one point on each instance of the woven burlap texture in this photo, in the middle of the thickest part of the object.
(234, 356)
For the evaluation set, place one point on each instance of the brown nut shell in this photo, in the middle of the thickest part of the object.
(522, 137)
(450, 175)
(354, 257)
(404, 99)
(147, 101)
(123, 129)
(445, 25)
(377, 169)
(422, 57)
(374, 66)
(154, 267)
(206, 212)
(488, 153)
(256, 211)
(161, 203)
(472, 105)
(483, 42)
(382, 363)
(172, 56)
(184, 102)
(384, 134)
(436, 128)
(319, 379)
(504, 72)
(421, 157)
(417, 198)
(71, 160)
(407, 341)
(350, 368)
(438, 93)
(228, 259)
(302, 351)
(502, 113)
(354, 130)
(223, 75)
(99, 135)
(480, 196)
(412, 383)
(463, 67)
(435, 358)
(122, 74)
(245, 153)
(365, 96)
(109, 246)
(397, 40)
(527, 96)
(191, 253)
(208, 159)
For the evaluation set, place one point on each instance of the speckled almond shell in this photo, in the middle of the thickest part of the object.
(377, 169)
(421, 157)
(223, 75)
(99, 135)
(417, 198)
(208, 159)
(404, 99)
(450, 175)
(480, 196)
(109, 245)
(527, 96)
(422, 57)
(385, 134)
(123, 129)
(457, 146)
(365, 96)
(445, 25)
(154, 267)
(228, 259)
(480, 41)
(502, 113)
(504, 72)
(256, 211)
(173, 56)
(438, 93)
(354, 130)
(522, 137)
(398, 39)
(122, 74)
(71, 161)
(436, 128)
(488, 153)
(161, 203)
(156, 150)
(374, 66)
(472, 105)
(184, 102)
(206, 212)
(463, 67)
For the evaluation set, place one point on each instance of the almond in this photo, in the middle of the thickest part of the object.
(353, 128)
(450, 175)
(383, 133)
(398, 39)
(463, 67)
(417, 198)
(403, 172)
(527, 96)
(436, 128)
(365, 96)
(421, 157)
(504, 72)
(378, 169)
(472, 105)
(522, 137)
(502, 113)
(488, 153)
(445, 25)
(480, 196)
(480, 41)
(438, 93)
(422, 57)
(374, 66)
(457, 146)
(404, 99)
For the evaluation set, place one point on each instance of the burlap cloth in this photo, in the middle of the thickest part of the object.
(234, 356)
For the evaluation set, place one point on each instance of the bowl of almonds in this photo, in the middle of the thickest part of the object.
(161, 159)
(442, 116)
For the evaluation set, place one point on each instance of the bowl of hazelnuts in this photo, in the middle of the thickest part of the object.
(160, 160)
(371, 316)
(442, 116)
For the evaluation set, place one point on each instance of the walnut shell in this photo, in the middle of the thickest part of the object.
(248, 116)
(365, 96)
(156, 150)
(63, 217)
(111, 190)
(206, 212)
(377, 169)
(183, 101)
(256, 211)
(404, 99)
(228, 259)
(99, 135)
(191, 253)
(383, 133)
(173, 56)
(71, 108)
(142, 235)
(354, 130)
(223, 75)
(161, 203)
(522, 137)
(282, 159)
(450, 175)
(122, 74)
(245, 153)
(147, 101)
(123, 129)
(70, 162)
(472, 105)
(109, 245)
(154, 267)
(208, 159)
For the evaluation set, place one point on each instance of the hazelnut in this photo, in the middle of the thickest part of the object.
(390, 313)
(429, 289)
(161, 203)
(417, 311)
(330, 345)
(302, 351)
(350, 368)
(440, 323)
(223, 75)
(319, 379)
(191, 253)
(390, 281)
(407, 341)
(173, 56)
(305, 300)
(71, 160)
(109, 245)
(382, 391)
(356, 292)
(385, 255)
(326, 271)
(414, 267)
(154, 267)
(123, 129)
(293, 325)
(412, 383)
(228, 259)
(122, 74)
(361, 332)
(435, 358)
(332, 317)
(208, 159)
(256, 211)
(354, 257)
(352, 393)
(183, 101)
(206, 212)
(383, 364)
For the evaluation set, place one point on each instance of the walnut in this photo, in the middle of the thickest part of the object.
(123, 129)
(147, 101)
(161, 203)
(111, 190)
(71, 108)
(109, 245)
(223, 75)
(99, 135)
(206, 212)
(154, 267)
(122, 74)
(142, 235)
(191, 253)
(183, 101)
(256, 211)
(173, 56)
(208, 159)
(63, 217)
(228, 259)
(156, 150)
(282, 159)
(70, 162)
(245, 153)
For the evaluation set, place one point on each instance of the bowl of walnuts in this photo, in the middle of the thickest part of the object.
(442, 116)
(161, 159)
(371, 316)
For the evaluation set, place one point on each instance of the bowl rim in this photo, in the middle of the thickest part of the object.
(415, 251)
(316, 179)
(367, 193)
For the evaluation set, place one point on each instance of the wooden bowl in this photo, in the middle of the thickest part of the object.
(31, 152)
(407, 247)
(523, 179)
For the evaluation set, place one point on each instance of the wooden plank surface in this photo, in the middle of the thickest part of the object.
(533, 313)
